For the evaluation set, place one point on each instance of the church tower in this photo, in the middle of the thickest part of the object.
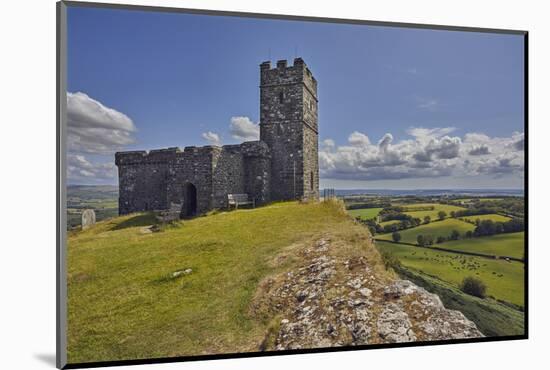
(288, 125)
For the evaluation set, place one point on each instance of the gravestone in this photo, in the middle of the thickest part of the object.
(88, 218)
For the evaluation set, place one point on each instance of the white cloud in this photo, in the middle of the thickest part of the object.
(358, 139)
(519, 144)
(328, 144)
(243, 129)
(426, 134)
(480, 150)
(95, 128)
(212, 138)
(430, 153)
(79, 168)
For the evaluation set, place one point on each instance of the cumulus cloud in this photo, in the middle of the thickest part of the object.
(385, 142)
(358, 139)
(430, 152)
(212, 138)
(95, 128)
(243, 129)
(520, 143)
(479, 150)
(426, 134)
(328, 144)
(79, 168)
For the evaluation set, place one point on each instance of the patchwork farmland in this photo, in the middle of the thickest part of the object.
(440, 241)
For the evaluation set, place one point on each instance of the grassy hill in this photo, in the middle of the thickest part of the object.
(492, 317)
(504, 279)
(125, 301)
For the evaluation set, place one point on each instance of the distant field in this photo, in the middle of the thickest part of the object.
(469, 200)
(511, 245)
(492, 217)
(504, 279)
(437, 228)
(432, 213)
(389, 222)
(365, 213)
(102, 199)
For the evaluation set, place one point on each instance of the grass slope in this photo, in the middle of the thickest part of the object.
(123, 302)
(504, 279)
(491, 317)
(510, 245)
(365, 213)
(437, 228)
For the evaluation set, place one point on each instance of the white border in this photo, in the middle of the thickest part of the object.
(28, 181)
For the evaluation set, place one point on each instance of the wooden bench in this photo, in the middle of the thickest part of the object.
(237, 200)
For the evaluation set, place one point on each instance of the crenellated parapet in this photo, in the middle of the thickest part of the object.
(160, 156)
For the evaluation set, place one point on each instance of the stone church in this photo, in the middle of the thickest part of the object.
(282, 165)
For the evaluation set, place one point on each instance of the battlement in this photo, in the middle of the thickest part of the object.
(282, 73)
(164, 156)
(145, 157)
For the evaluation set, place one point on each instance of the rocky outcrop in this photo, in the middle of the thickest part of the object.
(330, 300)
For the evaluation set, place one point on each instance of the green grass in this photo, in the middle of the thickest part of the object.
(365, 213)
(432, 213)
(511, 245)
(391, 222)
(493, 318)
(492, 217)
(437, 228)
(124, 304)
(504, 280)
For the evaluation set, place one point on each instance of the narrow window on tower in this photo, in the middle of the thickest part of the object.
(311, 180)
(281, 97)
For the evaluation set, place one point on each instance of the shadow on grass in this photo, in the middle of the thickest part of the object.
(144, 219)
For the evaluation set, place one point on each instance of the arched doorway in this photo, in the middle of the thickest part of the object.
(189, 200)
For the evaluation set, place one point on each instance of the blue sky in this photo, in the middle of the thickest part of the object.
(451, 102)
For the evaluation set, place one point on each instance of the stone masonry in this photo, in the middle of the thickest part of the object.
(282, 165)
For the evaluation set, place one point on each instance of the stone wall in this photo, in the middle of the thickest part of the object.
(161, 178)
(142, 180)
(191, 167)
(228, 174)
(311, 165)
(257, 171)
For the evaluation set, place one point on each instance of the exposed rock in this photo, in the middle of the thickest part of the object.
(393, 325)
(322, 310)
